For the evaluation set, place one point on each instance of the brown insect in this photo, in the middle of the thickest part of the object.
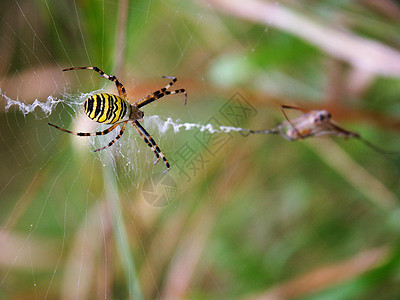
(314, 123)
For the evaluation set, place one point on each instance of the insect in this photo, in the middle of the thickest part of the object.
(112, 109)
(314, 123)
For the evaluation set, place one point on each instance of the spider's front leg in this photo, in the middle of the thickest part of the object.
(120, 86)
(161, 93)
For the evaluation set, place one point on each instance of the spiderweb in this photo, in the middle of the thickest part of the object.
(79, 224)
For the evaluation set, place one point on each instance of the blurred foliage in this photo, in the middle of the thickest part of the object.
(258, 217)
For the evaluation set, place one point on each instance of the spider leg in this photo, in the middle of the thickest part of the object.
(148, 136)
(160, 93)
(147, 142)
(87, 133)
(116, 138)
(120, 87)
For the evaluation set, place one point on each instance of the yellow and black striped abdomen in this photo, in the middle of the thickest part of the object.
(107, 108)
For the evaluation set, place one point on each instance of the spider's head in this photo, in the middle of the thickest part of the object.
(321, 116)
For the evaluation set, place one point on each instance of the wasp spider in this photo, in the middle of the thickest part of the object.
(112, 109)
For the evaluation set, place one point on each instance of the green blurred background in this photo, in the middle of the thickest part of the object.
(237, 217)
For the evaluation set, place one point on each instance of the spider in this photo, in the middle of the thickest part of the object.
(112, 109)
